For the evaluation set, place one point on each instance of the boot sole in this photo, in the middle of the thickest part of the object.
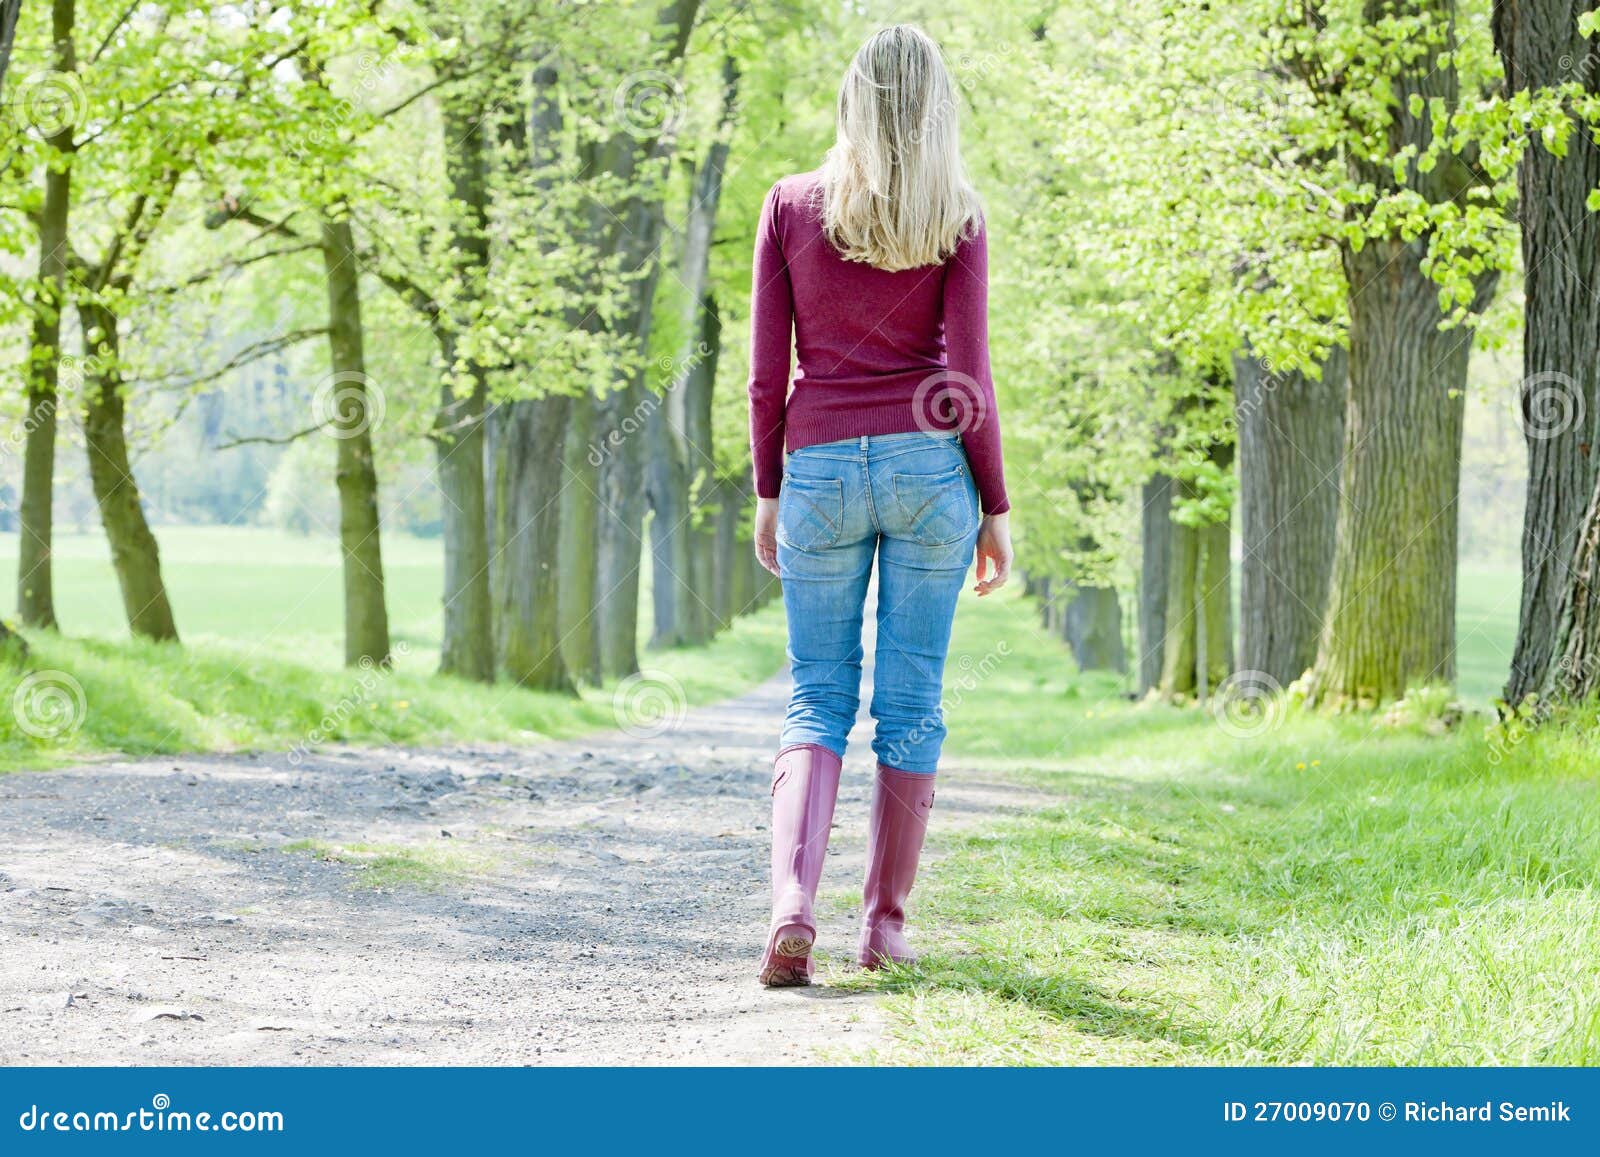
(790, 952)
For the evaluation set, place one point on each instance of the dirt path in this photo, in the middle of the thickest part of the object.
(593, 901)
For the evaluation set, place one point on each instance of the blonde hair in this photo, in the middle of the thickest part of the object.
(895, 194)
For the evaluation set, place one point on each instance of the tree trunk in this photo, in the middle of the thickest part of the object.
(1290, 436)
(1540, 45)
(667, 491)
(729, 500)
(1197, 653)
(35, 582)
(1574, 673)
(580, 626)
(680, 441)
(1092, 626)
(10, 10)
(347, 409)
(618, 535)
(1177, 678)
(467, 646)
(1390, 619)
(703, 619)
(134, 554)
(1156, 540)
(528, 466)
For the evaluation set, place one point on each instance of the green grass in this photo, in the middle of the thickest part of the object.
(428, 868)
(260, 667)
(1332, 891)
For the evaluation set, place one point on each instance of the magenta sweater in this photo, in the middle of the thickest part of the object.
(878, 352)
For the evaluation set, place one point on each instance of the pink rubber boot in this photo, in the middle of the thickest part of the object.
(805, 783)
(901, 803)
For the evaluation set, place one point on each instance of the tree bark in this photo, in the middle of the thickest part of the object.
(467, 647)
(366, 617)
(580, 483)
(1197, 654)
(1092, 626)
(1178, 644)
(1540, 45)
(35, 581)
(618, 535)
(667, 493)
(1290, 431)
(528, 464)
(1390, 619)
(703, 618)
(10, 10)
(1156, 540)
(134, 554)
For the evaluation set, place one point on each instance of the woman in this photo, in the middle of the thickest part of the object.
(878, 264)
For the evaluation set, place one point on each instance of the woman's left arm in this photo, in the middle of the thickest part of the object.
(771, 343)
(971, 389)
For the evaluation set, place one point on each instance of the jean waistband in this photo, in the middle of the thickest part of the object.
(862, 443)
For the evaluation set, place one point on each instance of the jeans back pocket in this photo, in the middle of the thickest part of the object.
(937, 508)
(810, 512)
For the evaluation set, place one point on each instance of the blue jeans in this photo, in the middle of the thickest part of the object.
(909, 499)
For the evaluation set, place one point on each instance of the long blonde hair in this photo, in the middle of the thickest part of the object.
(894, 191)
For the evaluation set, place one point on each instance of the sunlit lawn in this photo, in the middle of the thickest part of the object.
(1333, 891)
(261, 665)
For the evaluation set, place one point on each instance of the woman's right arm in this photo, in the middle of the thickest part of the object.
(771, 334)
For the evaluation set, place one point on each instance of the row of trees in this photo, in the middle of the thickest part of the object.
(1287, 224)
(1244, 253)
(500, 223)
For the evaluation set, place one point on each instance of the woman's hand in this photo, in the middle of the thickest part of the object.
(766, 533)
(994, 548)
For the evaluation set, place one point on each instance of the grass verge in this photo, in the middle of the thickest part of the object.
(1328, 891)
(79, 697)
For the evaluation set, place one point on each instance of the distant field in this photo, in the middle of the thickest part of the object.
(250, 585)
(283, 592)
